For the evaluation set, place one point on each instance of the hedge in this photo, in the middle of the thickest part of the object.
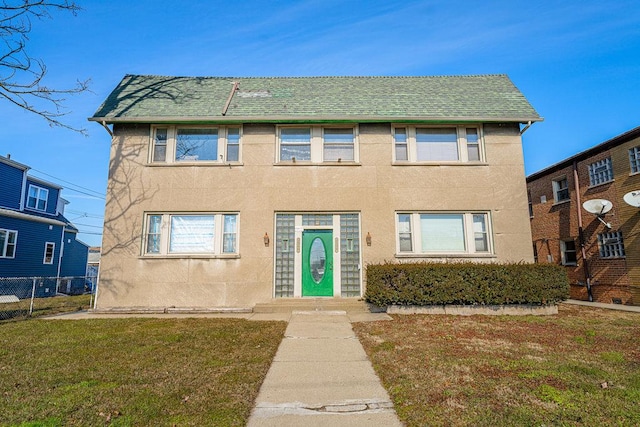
(466, 283)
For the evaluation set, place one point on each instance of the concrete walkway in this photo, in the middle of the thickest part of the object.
(619, 307)
(321, 376)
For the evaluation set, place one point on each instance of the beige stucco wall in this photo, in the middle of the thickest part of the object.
(258, 188)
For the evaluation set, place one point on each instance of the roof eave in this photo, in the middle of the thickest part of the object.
(610, 143)
(303, 118)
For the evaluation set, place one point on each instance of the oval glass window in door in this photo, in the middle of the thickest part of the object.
(317, 259)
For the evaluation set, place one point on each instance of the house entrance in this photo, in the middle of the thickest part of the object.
(317, 263)
(317, 254)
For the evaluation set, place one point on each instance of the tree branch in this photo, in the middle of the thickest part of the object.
(21, 75)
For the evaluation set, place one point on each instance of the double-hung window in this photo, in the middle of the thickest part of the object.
(437, 144)
(568, 252)
(560, 189)
(634, 159)
(182, 144)
(37, 198)
(317, 144)
(295, 144)
(338, 144)
(191, 234)
(443, 233)
(600, 172)
(49, 250)
(8, 241)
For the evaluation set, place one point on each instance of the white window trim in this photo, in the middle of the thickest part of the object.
(317, 144)
(555, 184)
(3, 250)
(53, 253)
(416, 235)
(38, 198)
(170, 154)
(461, 133)
(563, 250)
(165, 238)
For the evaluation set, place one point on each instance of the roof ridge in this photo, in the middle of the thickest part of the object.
(319, 77)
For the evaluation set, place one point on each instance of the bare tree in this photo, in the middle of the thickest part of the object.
(21, 75)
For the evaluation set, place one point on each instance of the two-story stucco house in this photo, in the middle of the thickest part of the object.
(228, 192)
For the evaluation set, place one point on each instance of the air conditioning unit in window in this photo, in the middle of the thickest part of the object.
(611, 241)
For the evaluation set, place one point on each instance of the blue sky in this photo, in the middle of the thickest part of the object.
(578, 63)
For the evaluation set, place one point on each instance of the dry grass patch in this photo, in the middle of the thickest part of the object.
(44, 307)
(122, 372)
(581, 367)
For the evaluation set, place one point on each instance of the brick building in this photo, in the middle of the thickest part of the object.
(600, 252)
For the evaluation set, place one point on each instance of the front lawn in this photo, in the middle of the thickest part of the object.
(122, 372)
(581, 367)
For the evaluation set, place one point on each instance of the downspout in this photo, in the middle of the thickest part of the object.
(60, 258)
(524, 129)
(23, 195)
(585, 263)
(104, 125)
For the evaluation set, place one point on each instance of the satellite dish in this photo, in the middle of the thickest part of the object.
(597, 206)
(632, 198)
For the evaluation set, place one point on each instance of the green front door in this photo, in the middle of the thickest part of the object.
(317, 263)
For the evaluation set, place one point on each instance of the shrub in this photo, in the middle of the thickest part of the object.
(465, 283)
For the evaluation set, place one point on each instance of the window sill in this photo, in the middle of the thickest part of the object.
(309, 163)
(41, 212)
(206, 164)
(613, 258)
(561, 202)
(600, 185)
(461, 255)
(190, 256)
(438, 163)
(634, 173)
(570, 264)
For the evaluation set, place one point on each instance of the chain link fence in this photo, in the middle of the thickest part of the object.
(23, 297)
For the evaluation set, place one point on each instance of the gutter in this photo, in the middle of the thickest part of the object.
(307, 118)
(21, 215)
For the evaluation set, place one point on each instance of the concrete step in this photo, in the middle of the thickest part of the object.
(288, 305)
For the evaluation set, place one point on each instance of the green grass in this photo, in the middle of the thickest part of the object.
(132, 372)
(579, 368)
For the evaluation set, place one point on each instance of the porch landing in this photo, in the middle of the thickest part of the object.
(289, 305)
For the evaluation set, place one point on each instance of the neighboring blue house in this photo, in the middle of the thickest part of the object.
(36, 240)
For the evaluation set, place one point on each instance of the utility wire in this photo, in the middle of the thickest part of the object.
(87, 225)
(84, 214)
(102, 195)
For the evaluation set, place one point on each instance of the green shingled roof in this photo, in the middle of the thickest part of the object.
(444, 98)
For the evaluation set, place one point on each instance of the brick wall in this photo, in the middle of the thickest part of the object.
(553, 222)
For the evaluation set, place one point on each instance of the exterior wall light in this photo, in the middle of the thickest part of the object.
(266, 239)
(368, 239)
